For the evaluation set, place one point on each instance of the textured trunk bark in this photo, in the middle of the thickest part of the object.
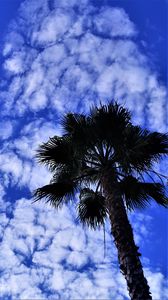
(128, 255)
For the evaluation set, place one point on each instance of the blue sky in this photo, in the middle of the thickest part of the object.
(58, 56)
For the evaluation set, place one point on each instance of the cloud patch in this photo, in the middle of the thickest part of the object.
(55, 257)
(77, 54)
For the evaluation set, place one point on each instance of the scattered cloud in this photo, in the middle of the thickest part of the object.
(113, 22)
(5, 129)
(53, 256)
(75, 55)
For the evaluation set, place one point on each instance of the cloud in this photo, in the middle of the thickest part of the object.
(53, 256)
(17, 156)
(53, 27)
(5, 129)
(113, 22)
(76, 54)
(14, 65)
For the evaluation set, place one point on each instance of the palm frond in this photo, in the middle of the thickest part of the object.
(104, 139)
(56, 193)
(91, 208)
(157, 144)
(78, 127)
(58, 150)
(157, 192)
(138, 194)
(114, 111)
(109, 121)
(90, 174)
(73, 123)
(141, 148)
(66, 172)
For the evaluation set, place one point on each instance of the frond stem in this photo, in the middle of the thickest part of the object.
(141, 176)
(150, 176)
(92, 162)
(100, 148)
(159, 175)
(98, 186)
(97, 154)
(80, 177)
(109, 148)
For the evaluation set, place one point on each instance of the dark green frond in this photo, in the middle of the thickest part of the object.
(57, 150)
(157, 192)
(90, 175)
(56, 193)
(63, 173)
(78, 127)
(73, 123)
(105, 123)
(157, 143)
(115, 112)
(109, 121)
(92, 144)
(91, 208)
(138, 194)
(141, 148)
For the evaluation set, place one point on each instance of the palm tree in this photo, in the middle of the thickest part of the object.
(108, 160)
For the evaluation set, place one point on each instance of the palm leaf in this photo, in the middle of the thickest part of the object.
(78, 127)
(73, 123)
(65, 173)
(109, 121)
(138, 194)
(91, 208)
(141, 148)
(157, 144)
(89, 174)
(58, 150)
(56, 193)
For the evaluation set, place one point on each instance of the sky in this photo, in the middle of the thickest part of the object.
(58, 56)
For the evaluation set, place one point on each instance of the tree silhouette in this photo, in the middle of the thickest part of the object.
(105, 150)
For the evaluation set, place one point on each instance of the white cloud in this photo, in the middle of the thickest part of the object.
(7, 49)
(45, 248)
(17, 158)
(34, 79)
(69, 4)
(14, 65)
(114, 22)
(158, 284)
(11, 165)
(53, 55)
(70, 62)
(5, 129)
(53, 27)
(65, 61)
(156, 103)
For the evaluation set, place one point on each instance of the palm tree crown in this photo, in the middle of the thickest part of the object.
(104, 139)
(102, 144)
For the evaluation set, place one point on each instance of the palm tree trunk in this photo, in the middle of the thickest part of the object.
(128, 255)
